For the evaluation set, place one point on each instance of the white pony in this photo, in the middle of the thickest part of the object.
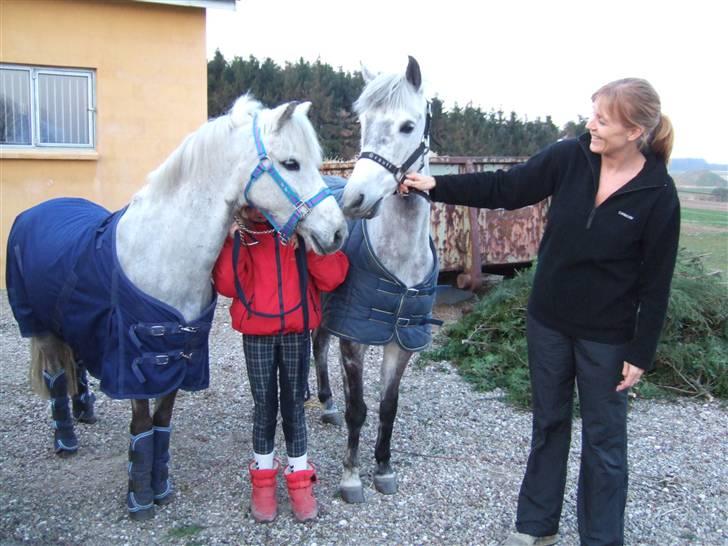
(388, 295)
(129, 293)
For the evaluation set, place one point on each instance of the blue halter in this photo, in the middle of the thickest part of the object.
(301, 209)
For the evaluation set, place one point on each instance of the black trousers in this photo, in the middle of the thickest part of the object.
(556, 361)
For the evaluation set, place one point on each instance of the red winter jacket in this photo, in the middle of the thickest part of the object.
(269, 278)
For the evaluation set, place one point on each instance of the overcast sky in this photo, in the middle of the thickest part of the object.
(533, 57)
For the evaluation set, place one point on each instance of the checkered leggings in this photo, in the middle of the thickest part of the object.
(264, 356)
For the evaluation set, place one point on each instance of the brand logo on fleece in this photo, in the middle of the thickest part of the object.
(627, 216)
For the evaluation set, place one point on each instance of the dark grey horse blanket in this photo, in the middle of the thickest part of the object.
(63, 277)
(372, 306)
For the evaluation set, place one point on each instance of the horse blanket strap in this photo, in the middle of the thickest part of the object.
(373, 307)
(138, 346)
(301, 207)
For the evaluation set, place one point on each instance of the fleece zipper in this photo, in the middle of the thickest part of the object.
(618, 193)
(595, 184)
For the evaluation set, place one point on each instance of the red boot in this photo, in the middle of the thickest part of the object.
(263, 503)
(300, 491)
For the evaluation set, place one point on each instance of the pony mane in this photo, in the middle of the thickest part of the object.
(207, 151)
(390, 91)
(204, 150)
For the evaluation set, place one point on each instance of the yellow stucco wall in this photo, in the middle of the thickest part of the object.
(151, 91)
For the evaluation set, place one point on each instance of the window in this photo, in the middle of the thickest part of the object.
(46, 107)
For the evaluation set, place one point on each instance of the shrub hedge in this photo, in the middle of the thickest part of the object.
(488, 345)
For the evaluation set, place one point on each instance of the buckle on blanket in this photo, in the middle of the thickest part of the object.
(411, 292)
(156, 330)
(403, 321)
(161, 360)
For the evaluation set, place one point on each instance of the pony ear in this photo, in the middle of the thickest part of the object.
(366, 74)
(283, 114)
(303, 107)
(414, 76)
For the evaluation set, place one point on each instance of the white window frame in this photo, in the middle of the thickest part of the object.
(34, 99)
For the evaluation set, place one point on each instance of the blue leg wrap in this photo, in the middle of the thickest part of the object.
(83, 402)
(139, 498)
(64, 438)
(161, 484)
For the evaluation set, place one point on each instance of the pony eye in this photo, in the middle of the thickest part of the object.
(291, 165)
(407, 127)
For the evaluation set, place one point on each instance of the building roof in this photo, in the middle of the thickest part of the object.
(215, 4)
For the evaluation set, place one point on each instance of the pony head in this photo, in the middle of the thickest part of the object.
(283, 180)
(392, 112)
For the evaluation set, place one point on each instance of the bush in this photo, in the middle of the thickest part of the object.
(488, 345)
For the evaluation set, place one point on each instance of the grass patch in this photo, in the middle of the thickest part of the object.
(714, 218)
(711, 246)
(185, 532)
(705, 233)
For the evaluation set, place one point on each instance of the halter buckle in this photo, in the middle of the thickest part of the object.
(303, 210)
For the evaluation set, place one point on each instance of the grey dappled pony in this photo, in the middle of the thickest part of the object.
(394, 230)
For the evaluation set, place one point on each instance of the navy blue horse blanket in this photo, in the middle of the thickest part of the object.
(372, 306)
(63, 277)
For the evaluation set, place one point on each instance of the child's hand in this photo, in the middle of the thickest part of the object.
(232, 230)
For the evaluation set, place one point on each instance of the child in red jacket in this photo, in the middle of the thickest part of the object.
(276, 322)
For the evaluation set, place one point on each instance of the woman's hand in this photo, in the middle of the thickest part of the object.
(631, 375)
(417, 181)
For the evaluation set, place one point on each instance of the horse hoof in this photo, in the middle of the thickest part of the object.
(88, 420)
(142, 515)
(332, 418)
(386, 484)
(65, 447)
(164, 501)
(352, 495)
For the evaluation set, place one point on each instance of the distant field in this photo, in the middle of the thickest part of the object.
(716, 218)
(695, 190)
(705, 231)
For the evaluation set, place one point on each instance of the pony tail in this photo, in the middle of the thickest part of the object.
(663, 137)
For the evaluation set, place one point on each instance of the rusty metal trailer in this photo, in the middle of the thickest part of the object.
(501, 241)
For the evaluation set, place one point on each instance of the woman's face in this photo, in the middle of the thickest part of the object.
(608, 135)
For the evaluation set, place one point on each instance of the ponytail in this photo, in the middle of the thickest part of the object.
(662, 139)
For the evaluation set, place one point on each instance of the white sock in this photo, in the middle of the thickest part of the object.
(298, 463)
(263, 462)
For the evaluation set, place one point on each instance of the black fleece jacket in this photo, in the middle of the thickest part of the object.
(603, 273)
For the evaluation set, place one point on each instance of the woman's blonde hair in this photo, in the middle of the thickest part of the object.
(636, 103)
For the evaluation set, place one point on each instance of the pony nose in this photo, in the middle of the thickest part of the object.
(339, 237)
(357, 203)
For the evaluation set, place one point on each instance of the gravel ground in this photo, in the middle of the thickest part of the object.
(460, 455)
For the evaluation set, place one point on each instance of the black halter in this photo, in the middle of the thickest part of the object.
(400, 172)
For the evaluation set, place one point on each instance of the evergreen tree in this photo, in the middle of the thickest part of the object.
(459, 131)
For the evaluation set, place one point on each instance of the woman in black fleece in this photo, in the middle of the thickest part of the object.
(598, 300)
